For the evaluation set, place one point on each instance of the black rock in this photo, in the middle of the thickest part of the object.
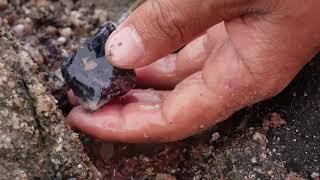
(90, 75)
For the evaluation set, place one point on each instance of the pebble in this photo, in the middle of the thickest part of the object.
(254, 160)
(270, 173)
(61, 40)
(3, 4)
(215, 136)
(75, 18)
(51, 30)
(19, 29)
(101, 14)
(315, 176)
(66, 32)
(260, 138)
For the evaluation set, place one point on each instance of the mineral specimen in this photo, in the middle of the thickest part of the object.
(91, 76)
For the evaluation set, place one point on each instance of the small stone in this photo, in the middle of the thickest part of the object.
(254, 160)
(61, 40)
(270, 173)
(66, 32)
(51, 30)
(80, 166)
(276, 121)
(101, 15)
(215, 136)
(315, 176)
(75, 18)
(260, 138)
(93, 79)
(11, 84)
(3, 4)
(19, 29)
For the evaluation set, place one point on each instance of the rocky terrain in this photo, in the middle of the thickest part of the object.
(275, 139)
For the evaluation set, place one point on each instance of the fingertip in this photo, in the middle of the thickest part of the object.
(102, 124)
(125, 48)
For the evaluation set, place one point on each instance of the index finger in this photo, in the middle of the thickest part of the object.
(159, 27)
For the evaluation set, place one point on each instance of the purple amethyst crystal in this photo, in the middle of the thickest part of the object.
(91, 76)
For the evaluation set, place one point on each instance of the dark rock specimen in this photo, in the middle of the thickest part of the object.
(90, 75)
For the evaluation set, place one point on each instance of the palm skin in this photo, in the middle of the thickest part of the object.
(235, 63)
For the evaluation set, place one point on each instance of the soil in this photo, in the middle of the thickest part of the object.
(275, 139)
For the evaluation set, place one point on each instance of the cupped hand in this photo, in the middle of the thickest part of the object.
(235, 53)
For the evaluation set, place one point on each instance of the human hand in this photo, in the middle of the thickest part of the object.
(237, 52)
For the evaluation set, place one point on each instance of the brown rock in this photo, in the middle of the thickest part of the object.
(3, 4)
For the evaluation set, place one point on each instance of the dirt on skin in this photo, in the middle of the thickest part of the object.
(275, 139)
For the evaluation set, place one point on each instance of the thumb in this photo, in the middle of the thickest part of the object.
(159, 27)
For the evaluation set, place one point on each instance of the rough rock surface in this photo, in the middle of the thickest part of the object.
(34, 140)
(276, 139)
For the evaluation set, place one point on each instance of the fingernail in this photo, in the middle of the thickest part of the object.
(125, 47)
(196, 51)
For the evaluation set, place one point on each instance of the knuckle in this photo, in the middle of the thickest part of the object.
(166, 20)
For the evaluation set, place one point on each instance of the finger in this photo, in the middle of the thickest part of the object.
(191, 108)
(161, 74)
(169, 71)
(159, 27)
(134, 95)
(133, 121)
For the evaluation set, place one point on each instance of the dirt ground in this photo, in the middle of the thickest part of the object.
(275, 139)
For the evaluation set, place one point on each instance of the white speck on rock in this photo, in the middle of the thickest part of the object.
(66, 32)
(254, 160)
(79, 166)
(260, 138)
(215, 136)
(19, 29)
(61, 40)
(270, 173)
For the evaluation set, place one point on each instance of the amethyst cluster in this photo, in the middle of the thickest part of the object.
(93, 79)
